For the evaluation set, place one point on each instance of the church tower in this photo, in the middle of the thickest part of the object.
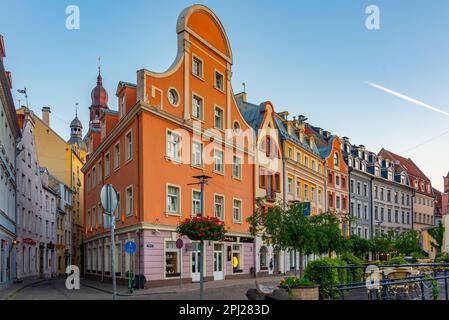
(76, 132)
(99, 98)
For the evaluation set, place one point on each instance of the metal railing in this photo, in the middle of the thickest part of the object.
(379, 285)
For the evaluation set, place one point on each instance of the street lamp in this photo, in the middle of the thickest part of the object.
(202, 181)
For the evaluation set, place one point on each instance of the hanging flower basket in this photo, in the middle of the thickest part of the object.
(202, 228)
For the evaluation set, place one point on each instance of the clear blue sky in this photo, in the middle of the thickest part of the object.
(307, 57)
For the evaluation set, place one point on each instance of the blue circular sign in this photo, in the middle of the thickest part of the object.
(130, 247)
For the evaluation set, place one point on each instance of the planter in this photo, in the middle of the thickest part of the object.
(305, 292)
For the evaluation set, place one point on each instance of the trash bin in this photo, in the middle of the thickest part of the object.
(139, 281)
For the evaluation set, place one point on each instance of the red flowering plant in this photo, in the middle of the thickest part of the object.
(202, 228)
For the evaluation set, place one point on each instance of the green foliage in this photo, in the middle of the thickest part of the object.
(437, 233)
(353, 274)
(407, 242)
(384, 243)
(442, 258)
(358, 246)
(293, 282)
(326, 277)
(421, 254)
(397, 260)
(254, 219)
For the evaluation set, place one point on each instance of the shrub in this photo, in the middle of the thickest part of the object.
(353, 274)
(326, 277)
(419, 255)
(397, 260)
(442, 258)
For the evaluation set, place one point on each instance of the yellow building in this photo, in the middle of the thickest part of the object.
(64, 160)
(303, 165)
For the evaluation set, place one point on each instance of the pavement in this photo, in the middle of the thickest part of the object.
(54, 289)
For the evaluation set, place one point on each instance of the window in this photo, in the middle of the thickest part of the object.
(196, 202)
(376, 213)
(290, 153)
(262, 178)
(237, 129)
(237, 258)
(298, 189)
(237, 210)
(337, 202)
(306, 161)
(129, 201)
(173, 97)
(351, 186)
(173, 146)
(94, 218)
(237, 167)
(94, 177)
(219, 207)
(197, 67)
(197, 107)
(129, 145)
(290, 181)
(173, 199)
(172, 261)
(118, 212)
(306, 192)
(298, 157)
(117, 156)
(358, 188)
(319, 197)
(106, 165)
(197, 154)
(218, 161)
(336, 160)
(313, 165)
(219, 81)
(218, 122)
(365, 190)
(337, 180)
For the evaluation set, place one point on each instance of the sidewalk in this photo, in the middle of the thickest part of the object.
(186, 287)
(11, 289)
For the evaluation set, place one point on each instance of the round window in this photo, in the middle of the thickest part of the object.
(173, 97)
(236, 127)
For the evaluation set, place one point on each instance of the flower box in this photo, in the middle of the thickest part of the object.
(201, 228)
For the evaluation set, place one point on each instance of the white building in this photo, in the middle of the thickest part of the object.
(9, 133)
(35, 216)
(49, 214)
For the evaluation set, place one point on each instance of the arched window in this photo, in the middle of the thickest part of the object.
(336, 159)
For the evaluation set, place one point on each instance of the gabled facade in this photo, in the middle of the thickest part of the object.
(392, 196)
(423, 200)
(360, 189)
(336, 170)
(268, 173)
(169, 128)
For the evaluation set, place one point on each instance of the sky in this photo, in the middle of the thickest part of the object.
(315, 58)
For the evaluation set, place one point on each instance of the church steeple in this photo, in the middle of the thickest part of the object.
(76, 131)
(99, 98)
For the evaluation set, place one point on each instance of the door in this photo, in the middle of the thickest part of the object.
(196, 260)
(218, 262)
(41, 263)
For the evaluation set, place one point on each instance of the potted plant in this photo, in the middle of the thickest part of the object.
(300, 289)
(201, 228)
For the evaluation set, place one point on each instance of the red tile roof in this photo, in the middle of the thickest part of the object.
(409, 166)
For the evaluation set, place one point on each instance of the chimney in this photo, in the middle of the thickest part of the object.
(46, 116)
(241, 95)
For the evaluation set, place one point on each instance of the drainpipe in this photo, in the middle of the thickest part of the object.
(372, 207)
(284, 197)
(413, 213)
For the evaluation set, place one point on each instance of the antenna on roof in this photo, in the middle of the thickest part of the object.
(244, 87)
(76, 109)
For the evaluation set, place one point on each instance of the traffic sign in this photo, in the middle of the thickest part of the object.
(130, 247)
(109, 198)
(179, 243)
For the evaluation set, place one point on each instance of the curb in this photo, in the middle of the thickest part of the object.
(12, 293)
(127, 294)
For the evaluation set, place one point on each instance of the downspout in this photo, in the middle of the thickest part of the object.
(372, 207)
(413, 213)
(139, 183)
(284, 197)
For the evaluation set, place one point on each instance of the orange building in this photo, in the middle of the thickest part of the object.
(171, 127)
(336, 187)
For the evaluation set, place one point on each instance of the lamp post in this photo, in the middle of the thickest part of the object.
(202, 181)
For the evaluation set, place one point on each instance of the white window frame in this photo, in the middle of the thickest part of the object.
(117, 156)
(177, 156)
(216, 107)
(200, 76)
(222, 89)
(129, 213)
(222, 171)
(107, 164)
(193, 213)
(202, 106)
(233, 210)
(196, 142)
(223, 206)
(129, 146)
(239, 166)
(170, 212)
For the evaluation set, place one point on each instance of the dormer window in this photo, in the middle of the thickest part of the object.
(336, 159)
(122, 106)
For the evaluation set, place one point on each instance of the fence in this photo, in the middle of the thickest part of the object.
(385, 282)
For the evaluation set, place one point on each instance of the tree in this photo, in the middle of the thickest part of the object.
(384, 243)
(326, 233)
(358, 246)
(407, 242)
(437, 233)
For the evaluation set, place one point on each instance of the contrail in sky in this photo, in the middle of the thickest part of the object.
(407, 98)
